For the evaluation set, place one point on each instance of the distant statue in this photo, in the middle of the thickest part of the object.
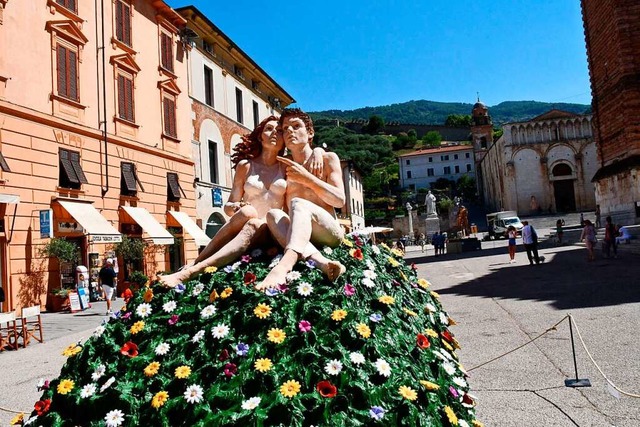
(463, 220)
(430, 203)
(534, 205)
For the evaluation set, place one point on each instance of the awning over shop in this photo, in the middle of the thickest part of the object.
(155, 232)
(9, 199)
(191, 227)
(95, 225)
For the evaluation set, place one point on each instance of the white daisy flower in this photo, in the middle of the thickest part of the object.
(275, 261)
(108, 384)
(31, 420)
(251, 404)
(383, 367)
(460, 382)
(208, 311)
(114, 418)
(98, 373)
(375, 250)
(327, 250)
(333, 367)
(370, 264)
(443, 319)
(446, 354)
(357, 358)
(144, 310)
(449, 368)
(88, 391)
(235, 265)
(197, 289)
(220, 331)
(256, 253)
(193, 394)
(40, 383)
(370, 274)
(99, 331)
(463, 423)
(293, 275)
(430, 307)
(198, 336)
(305, 289)
(162, 348)
(368, 283)
(169, 306)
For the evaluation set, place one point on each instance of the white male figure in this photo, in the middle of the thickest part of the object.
(311, 202)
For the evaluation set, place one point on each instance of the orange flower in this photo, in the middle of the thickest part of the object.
(226, 293)
(423, 341)
(213, 296)
(148, 295)
(357, 254)
(127, 295)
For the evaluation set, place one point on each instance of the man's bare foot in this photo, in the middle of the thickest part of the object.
(332, 269)
(172, 280)
(277, 276)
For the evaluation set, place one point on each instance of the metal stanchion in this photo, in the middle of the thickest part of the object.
(577, 382)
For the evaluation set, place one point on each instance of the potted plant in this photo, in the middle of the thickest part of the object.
(138, 279)
(65, 252)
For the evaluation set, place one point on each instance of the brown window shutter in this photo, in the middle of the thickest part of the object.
(128, 176)
(121, 98)
(128, 97)
(62, 71)
(72, 5)
(73, 75)
(172, 117)
(167, 52)
(77, 168)
(119, 21)
(126, 30)
(65, 160)
(173, 187)
(167, 116)
(3, 164)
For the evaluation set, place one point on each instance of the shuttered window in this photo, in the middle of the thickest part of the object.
(71, 173)
(123, 22)
(3, 164)
(169, 106)
(125, 98)
(67, 60)
(166, 52)
(69, 4)
(129, 179)
(173, 187)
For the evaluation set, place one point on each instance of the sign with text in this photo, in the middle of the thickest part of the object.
(74, 301)
(216, 197)
(106, 238)
(46, 228)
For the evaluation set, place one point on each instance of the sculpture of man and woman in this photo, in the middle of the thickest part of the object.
(291, 200)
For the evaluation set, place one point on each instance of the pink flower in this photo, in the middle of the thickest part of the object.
(173, 320)
(230, 369)
(245, 258)
(349, 290)
(304, 326)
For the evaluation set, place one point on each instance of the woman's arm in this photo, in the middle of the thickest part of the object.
(237, 191)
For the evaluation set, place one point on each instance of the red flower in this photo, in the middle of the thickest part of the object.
(357, 254)
(357, 241)
(249, 278)
(230, 369)
(326, 389)
(423, 341)
(447, 336)
(414, 267)
(127, 295)
(42, 406)
(224, 355)
(468, 400)
(173, 320)
(129, 349)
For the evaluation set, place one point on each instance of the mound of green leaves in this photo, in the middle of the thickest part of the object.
(371, 349)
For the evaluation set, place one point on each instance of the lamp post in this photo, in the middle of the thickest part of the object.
(409, 209)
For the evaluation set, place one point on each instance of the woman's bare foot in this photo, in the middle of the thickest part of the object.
(172, 280)
(332, 269)
(277, 276)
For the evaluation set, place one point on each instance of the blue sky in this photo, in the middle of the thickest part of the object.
(348, 54)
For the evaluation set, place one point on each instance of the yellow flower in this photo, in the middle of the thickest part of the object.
(404, 276)
(384, 245)
(159, 399)
(338, 315)
(148, 295)
(290, 388)
(182, 371)
(226, 293)
(477, 423)
(435, 294)
(347, 243)
(451, 321)
(123, 308)
(453, 420)
(211, 269)
(423, 283)
(386, 299)
(393, 262)
(213, 296)
(262, 311)
(410, 312)
(152, 369)
(397, 252)
(18, 419)
(447, 345)
(263, 365)
(429, 385)
(137, 327)
(276, 335)
(408, 393)
(431, 333)
(65, 386)
(363, 330)
(72, 350)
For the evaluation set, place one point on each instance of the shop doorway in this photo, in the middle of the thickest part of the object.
(176, 251)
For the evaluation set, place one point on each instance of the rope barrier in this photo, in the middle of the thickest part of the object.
(596, 365)
(14, 412)
(553, 328)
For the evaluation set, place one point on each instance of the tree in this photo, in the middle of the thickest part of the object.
(375, 125)
(432, 138)
(458, 120)
(466, 186)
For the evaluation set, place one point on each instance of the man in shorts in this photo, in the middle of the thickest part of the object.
(107, 277)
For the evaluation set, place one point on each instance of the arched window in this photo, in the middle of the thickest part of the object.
(562, 169)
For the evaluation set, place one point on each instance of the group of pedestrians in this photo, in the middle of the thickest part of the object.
(610, 243)
(529, 241)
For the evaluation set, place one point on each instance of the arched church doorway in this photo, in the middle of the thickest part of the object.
(214, 223)
(563, 188)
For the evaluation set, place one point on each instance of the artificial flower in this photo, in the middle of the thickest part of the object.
(397, 252)
(347, 243)
(422, 341)
(451, 416)
(88, 391)
(129, 349)
(197, 289)
(408, 393)
(451, 321)
(169, 306)
(114, 418)
(292, 276)
(159, 399)
(386, 299)
(42, 384)
(262, 311)
(431, 333)
(349, 290)
(363, 330)
(276, 335)
(173, 319)
(211, 269)
(230, 369)
(182, 372)
(393, 262)
(107, 384)
(370, 274)
(338, 315)
(137, 327)
(375, 249)
(304, 326)
(65, 386)
(305, 289)
(377, 412)
(453, 392)
(283, 288)
(99, 331)
(179, 288)
(327, 250)
(263, 365)
(333, 367)
(224, 355)
(368, 283)
(208, 311)
(256, 253)
(72, 350)
(193, 394)
(375, 317)
(477, 423)
(383, 367)
(152, 369)
(144, 310)
(409, 312)
(226, 293)
(357, 254)
(460, 382)
(213, 296)
(435, 294)
(18, 419)
(467, 401)
(423, 283)
(148, 295)
(127, 295)
(310, 263)
(245, 258)
(242, 349)
(463, 423)
(251, 404)
(326, 389)
(290, 388)
(429, 385)
(447, 345)
(42, 406)
(443, 319)
(448, 367)
(220, 331)
(162, 349)
(356, 357)
(271, 292)
(98, 372)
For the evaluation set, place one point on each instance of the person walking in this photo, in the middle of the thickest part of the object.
(598, 223)
(559, 231)
(422, 240)
(610, 234)
(589, 237)
(511, 235)
(107, 277)
(530, 241)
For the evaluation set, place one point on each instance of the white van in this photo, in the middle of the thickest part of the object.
(498, 222)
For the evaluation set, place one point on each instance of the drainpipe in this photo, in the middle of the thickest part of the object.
(104, 173)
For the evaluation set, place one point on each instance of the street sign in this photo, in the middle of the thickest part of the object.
(216, 197)
(46, 229)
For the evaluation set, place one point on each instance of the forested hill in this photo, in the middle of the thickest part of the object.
(432, 112)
